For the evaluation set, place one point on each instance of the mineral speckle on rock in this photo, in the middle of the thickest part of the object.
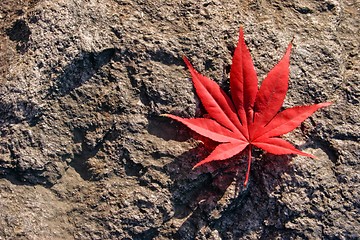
(84, 153)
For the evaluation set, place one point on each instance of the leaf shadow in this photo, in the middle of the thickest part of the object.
(204, 198)
(199, 196)
(195, 193)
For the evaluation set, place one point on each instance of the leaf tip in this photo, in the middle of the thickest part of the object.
(241, 30)
(187, 62)
(308, 155)
(193, 168)
(245, 183)
(325, 104)
(198, 164)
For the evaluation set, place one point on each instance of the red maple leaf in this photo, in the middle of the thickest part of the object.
(251, 117)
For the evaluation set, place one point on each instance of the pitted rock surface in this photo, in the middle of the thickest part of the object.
(85, 154)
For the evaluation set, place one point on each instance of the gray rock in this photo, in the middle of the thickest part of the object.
(85, 154)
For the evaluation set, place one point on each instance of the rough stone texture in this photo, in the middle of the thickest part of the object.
(84, 153)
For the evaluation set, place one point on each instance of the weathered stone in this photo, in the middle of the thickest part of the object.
(85, 154)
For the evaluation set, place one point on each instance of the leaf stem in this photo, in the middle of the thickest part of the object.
(249, 165)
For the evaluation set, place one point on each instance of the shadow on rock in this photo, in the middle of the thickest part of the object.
(20, 33)
(167, 129)
(205, 197)
(29, 177)
(79, 71)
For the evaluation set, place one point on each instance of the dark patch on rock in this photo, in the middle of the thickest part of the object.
(20, 33)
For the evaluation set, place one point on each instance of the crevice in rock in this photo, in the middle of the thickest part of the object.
(151, 233)
(80, 160)
(330, 151)
(138, 85)
(347, 137)
(131, 168)
(29, 177)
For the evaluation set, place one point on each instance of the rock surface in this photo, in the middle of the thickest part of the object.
(84, 153)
